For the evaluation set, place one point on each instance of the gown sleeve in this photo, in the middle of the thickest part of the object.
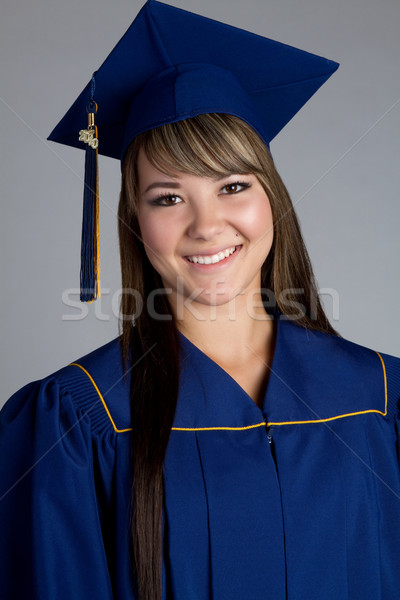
(392, 369)
(51, 542)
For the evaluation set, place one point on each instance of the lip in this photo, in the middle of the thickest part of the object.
(214, 266)
(213, 251)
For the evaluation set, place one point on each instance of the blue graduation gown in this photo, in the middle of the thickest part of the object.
(297, 500)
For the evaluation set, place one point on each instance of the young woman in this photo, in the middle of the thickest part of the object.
(229, 444)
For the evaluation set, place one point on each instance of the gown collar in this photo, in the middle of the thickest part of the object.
(314, 377)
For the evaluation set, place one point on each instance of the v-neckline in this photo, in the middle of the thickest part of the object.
(217, 367)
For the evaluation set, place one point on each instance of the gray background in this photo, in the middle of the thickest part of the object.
(339, 157)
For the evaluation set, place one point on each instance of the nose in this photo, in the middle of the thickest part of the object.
(207, 219)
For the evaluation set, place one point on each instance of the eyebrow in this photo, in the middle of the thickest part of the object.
(170, 184)
(176, 185)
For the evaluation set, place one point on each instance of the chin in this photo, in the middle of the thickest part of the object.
(213, 297)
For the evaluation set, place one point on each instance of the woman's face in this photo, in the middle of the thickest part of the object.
(189, 224)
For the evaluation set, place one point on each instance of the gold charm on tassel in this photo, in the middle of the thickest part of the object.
(88, 135)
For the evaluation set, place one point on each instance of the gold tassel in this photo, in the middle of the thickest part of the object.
(90, 248)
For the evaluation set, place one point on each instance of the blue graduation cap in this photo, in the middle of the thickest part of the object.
(171, 65)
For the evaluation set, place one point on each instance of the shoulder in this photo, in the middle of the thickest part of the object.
(341, 376)
(361, 361)
(95, 384)
(100, 386)
(370, 367)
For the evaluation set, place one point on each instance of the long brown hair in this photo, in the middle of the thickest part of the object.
(205, 145)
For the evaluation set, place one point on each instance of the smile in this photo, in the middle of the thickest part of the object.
(212, 259)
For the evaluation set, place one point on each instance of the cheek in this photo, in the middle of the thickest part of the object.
(153, 233)
(159, 232)
(257, 220)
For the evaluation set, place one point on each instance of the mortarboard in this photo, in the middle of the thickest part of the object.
(171, 65)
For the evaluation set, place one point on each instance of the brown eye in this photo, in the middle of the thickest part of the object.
(234, 188)
(166, 200)
(170, 199)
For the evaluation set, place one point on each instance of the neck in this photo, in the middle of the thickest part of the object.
(235, 331)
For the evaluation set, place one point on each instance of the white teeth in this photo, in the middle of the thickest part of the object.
(219, 256)
(215, 258)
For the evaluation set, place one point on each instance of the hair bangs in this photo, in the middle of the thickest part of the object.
(206, 145)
